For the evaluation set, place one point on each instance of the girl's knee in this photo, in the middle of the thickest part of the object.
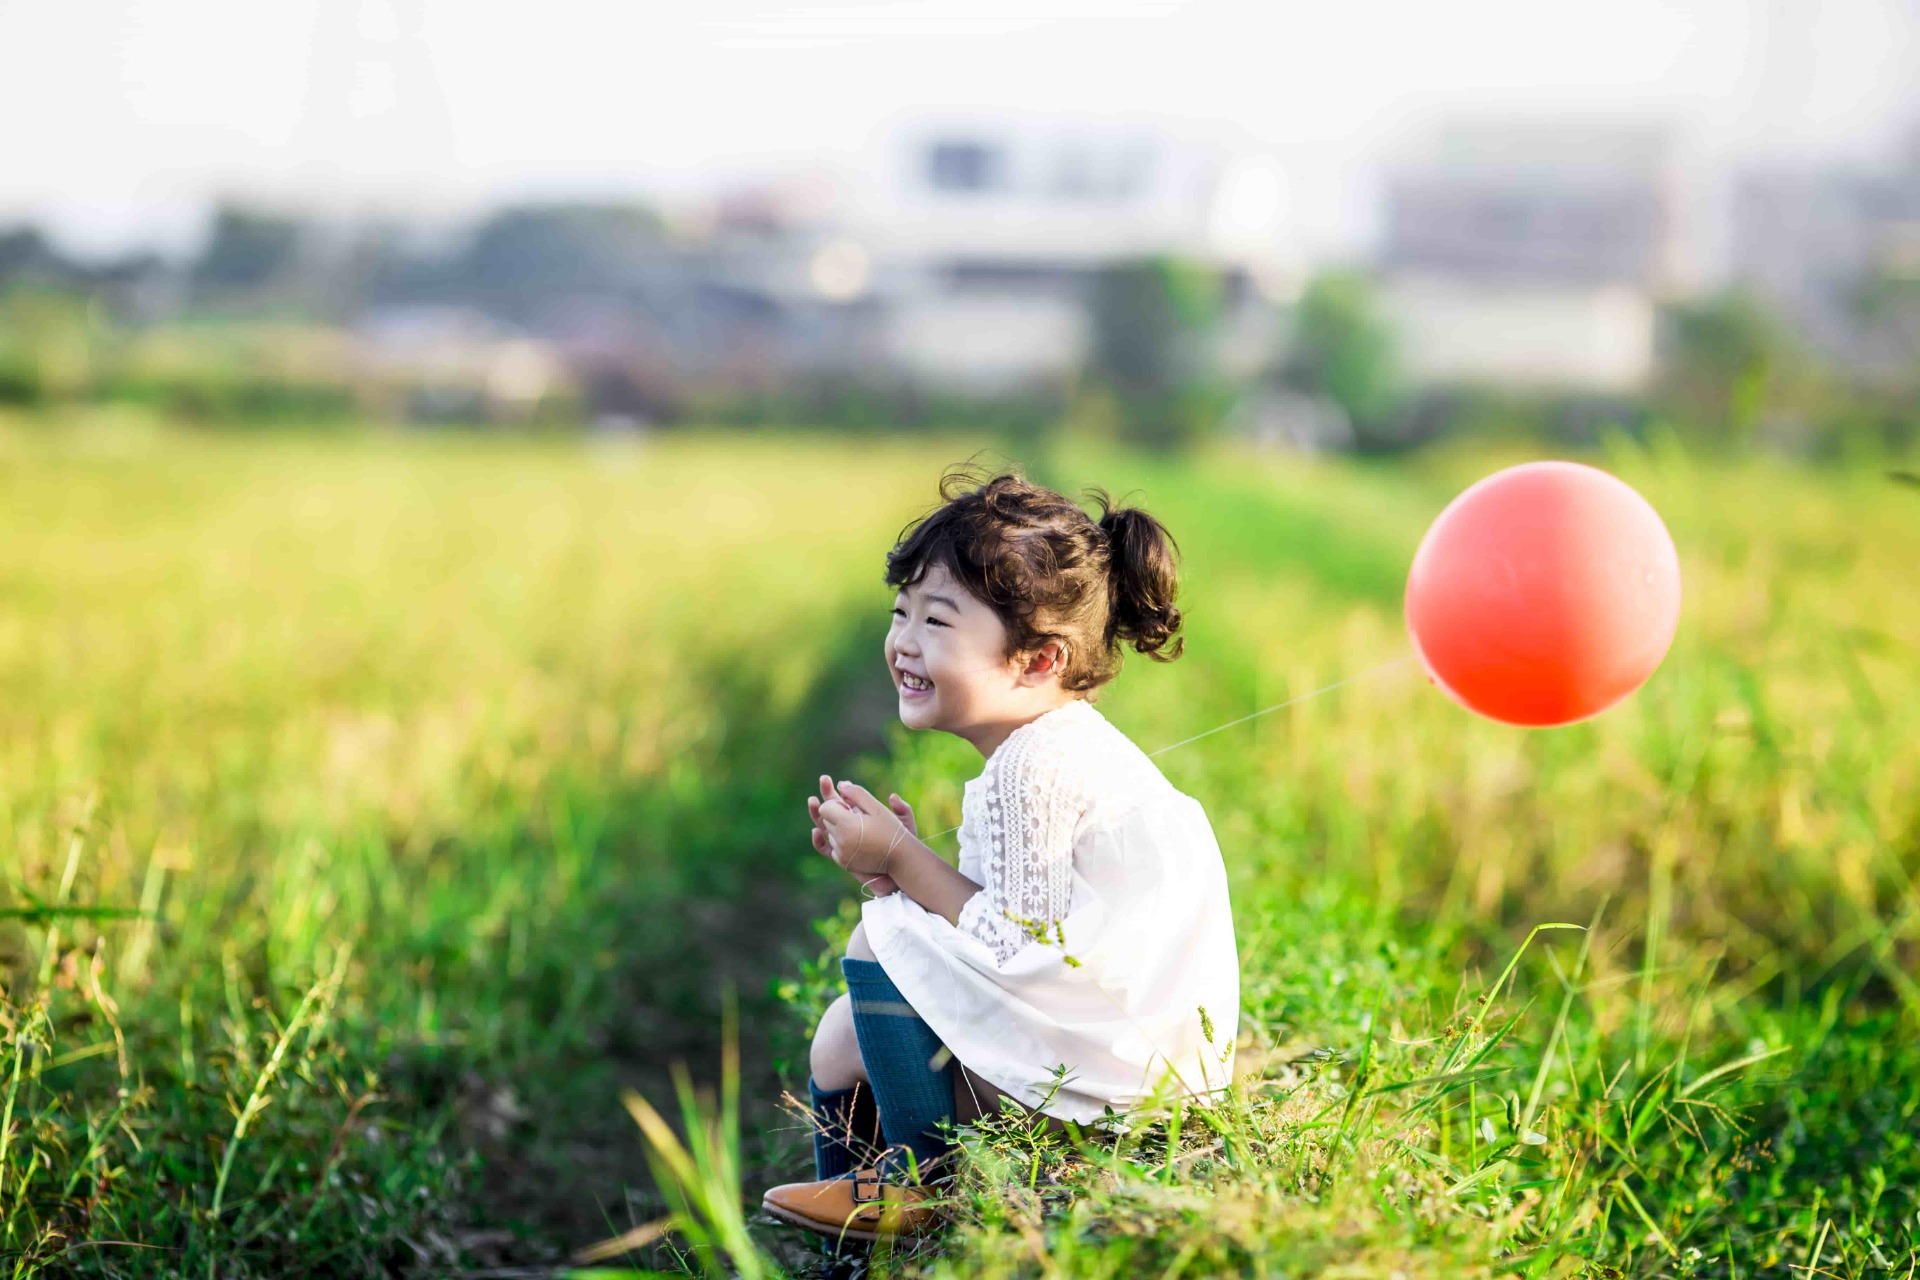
(835, 1055)
(857, 946)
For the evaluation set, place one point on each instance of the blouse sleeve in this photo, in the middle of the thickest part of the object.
(1033, 806)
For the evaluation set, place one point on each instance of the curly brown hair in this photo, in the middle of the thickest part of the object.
(1051, 571)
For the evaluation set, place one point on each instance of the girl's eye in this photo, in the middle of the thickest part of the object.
(933, 621)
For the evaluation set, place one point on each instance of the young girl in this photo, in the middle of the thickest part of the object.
(1082, 953)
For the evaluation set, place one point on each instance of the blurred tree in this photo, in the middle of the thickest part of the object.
(26, 256)
(1727, 357)
(1155, 321)
(1884, 410)
(1886, 304)
(533, 251)
(247, 253)
(1343, 351)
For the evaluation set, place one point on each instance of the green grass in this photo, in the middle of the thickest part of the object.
(378, 809)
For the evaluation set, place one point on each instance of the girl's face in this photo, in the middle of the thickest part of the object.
(943, 635)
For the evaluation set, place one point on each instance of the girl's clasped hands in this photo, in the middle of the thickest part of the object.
(859, 833)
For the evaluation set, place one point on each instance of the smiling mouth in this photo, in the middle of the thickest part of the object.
(913, 684)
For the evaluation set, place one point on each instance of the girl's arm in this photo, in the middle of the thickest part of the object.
(929, 880)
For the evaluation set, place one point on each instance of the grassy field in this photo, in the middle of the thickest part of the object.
(378, 808)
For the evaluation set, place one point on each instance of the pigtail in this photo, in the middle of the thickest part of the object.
(1142, 582)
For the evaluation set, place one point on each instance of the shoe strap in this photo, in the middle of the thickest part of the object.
(866, 1186)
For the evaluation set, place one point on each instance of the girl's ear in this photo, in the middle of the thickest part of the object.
(1048, 659)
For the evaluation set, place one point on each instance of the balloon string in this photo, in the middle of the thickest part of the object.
(1368, 674)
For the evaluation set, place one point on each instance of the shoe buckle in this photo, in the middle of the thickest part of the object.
(864, 1181)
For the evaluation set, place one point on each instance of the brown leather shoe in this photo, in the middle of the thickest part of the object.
(859, 1207)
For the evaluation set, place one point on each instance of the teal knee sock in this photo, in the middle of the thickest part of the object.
(897, 1047)
(846, 1129)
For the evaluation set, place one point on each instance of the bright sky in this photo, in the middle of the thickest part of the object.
(120, 118)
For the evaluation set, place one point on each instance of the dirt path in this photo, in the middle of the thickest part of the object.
(562, 1164)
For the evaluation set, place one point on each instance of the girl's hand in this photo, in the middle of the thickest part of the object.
(878, 885)
(862, 833)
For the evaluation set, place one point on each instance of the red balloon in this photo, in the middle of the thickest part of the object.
(1544, 594)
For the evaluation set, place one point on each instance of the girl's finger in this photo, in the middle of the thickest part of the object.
(857, 796)
(905, 812)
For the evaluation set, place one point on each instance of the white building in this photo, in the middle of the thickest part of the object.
(981, 237)
(1534, 253)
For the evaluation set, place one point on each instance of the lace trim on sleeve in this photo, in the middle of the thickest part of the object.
(1033, 805)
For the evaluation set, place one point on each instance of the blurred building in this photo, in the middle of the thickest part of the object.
(1837, 253)
(648, 315)
(986, 234)
(1533, 253)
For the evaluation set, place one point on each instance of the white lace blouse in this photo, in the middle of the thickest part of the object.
(1101, 938)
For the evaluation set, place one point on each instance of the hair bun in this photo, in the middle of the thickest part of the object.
(1141, 570)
